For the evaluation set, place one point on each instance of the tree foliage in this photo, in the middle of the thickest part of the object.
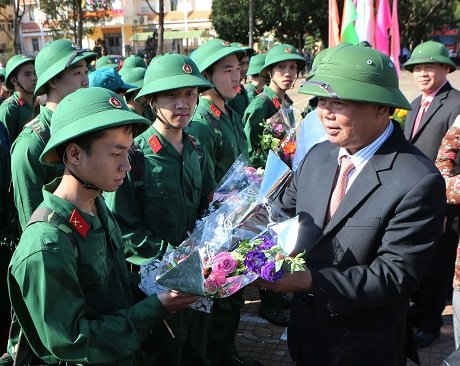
(67, 18)
(289, 20)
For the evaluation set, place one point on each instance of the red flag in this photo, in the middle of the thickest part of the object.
(394, 32)
(382, 26)
(334, 36)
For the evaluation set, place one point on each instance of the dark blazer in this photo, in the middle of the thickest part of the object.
(368, 258)
(441, 114)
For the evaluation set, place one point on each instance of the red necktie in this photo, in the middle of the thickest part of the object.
(346, 166)
(423, 107)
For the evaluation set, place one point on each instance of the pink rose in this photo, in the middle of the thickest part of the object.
(224, 263)
(214, 281)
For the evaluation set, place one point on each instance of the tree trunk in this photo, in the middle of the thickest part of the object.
(161, 26)
(79, 14)
(18, 13)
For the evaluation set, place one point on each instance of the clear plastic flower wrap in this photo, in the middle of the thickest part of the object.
(239, 212)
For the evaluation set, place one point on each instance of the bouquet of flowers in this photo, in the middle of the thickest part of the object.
(279, 134)
(239, 212)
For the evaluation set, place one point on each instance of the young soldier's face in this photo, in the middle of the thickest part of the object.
(244, 66)
(284, 74)
(176, 106)
(352, 125)
(106, 163)
(430, 77)
(25, 79)
(226, 76)
(71, 79)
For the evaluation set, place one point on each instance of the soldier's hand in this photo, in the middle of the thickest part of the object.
(175, 300)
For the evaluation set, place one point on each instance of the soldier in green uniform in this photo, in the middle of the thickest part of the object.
(215, 124)
(282, 65)
(68, 280)
(256, 80)
(17, 110)
(220, 131)
(241, 100)
(135, 76)
(167, 190)
(61, 70)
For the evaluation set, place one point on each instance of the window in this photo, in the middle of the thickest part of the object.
(10, 26)
(35, 45)
(173, 5)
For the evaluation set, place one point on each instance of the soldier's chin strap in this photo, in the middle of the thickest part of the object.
(86, 185)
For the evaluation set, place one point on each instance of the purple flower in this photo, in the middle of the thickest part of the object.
(254, 260)
(268, 273)
(267, 243)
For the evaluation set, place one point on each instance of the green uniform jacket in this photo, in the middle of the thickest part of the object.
(220, 135)
(251, 91)
(162, 196)
(74, 298)
(240, 102)
(263, 106)
(27, 173)
(14, 114)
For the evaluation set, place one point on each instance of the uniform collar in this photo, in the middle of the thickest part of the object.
(276, 100)
(65, 208)
(45, 115)
(158, 144)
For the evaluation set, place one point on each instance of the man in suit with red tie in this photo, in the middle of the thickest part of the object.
(371, 208)
(433, 112)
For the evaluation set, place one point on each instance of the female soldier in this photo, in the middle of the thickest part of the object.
(282, 65)
(167, 190)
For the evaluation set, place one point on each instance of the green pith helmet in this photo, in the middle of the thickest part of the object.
(172, 71)
(283, 52)
(429, 53)
(12, 65)
(212, 51)
(134, 76)
(246, 49)
(56, 57)
(105, 61)
(356, 73)
(86, 111)
(132, 62)
(256, 63)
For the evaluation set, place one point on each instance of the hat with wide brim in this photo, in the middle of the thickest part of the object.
(134, 76)
(56, 57)
(281, 53)
(428, 53)
(172, 71)
(105, 61)
(212, 51)
(256, 64)
(246, 49)
(83, 112)
(131, 62)
(12, 65)
(356, 73)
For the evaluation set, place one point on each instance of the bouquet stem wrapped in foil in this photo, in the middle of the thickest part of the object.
(239, 213)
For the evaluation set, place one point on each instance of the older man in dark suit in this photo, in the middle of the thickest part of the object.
(433, 112)
(371, 208)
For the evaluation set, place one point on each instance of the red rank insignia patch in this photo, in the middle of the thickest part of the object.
(21, 102)
(276, 102)
(216, 111)
(155, 144)
(78, 223)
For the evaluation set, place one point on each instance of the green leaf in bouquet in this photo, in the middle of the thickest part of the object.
(186, 276)
(279, 265)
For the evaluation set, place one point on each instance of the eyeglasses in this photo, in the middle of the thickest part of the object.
(73, 56)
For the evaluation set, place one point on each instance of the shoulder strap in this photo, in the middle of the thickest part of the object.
(40, 130)
(45, 214)
(136, 158)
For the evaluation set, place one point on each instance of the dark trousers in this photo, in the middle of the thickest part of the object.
(436, 287)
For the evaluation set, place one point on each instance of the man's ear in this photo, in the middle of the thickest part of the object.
(73, 154)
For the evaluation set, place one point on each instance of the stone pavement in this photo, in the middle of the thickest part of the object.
(265, 342)
(260, 340)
